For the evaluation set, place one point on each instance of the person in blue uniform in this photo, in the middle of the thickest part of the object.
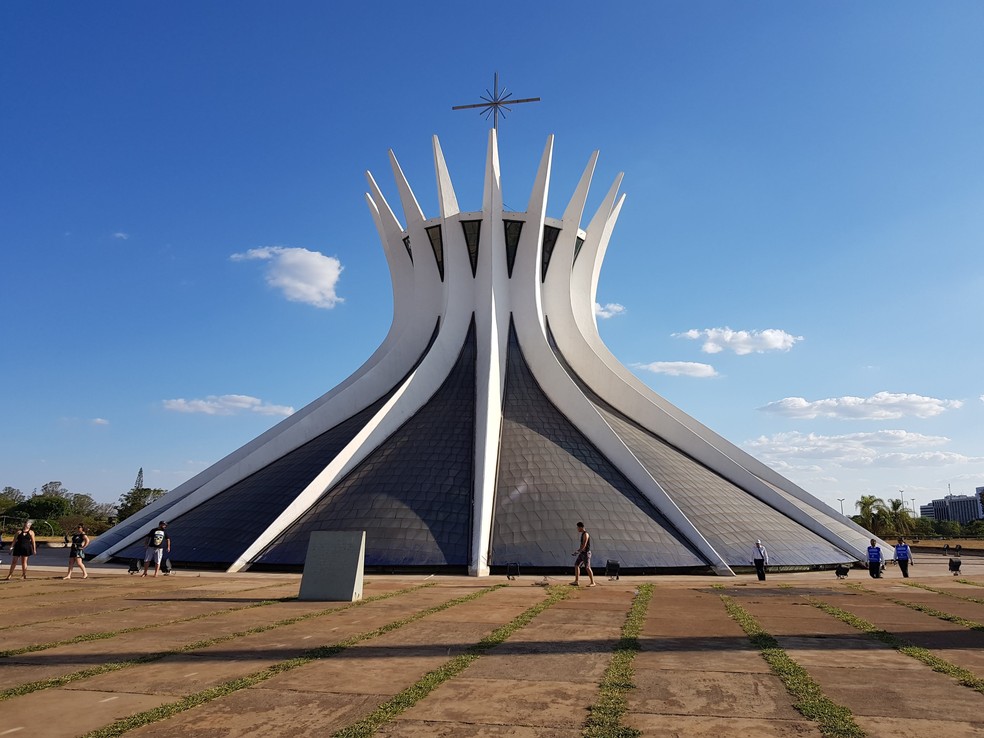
(903, 557)
(874, 560)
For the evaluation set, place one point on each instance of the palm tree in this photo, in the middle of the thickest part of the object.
(871, 513)
(899, 518)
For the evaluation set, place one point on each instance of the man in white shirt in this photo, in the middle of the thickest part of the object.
(760, 557)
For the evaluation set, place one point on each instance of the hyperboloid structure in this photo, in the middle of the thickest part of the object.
(491, 419)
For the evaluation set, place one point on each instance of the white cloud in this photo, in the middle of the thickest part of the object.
(609, 310)
(880, 406)
(928, 458)
(886, 448)
(303, 276)
(227, 405)
(982, 398)
(717, 340)
(99, 421)
(679, 368)
(121, 236)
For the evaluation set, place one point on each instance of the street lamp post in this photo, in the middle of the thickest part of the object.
(841, 501)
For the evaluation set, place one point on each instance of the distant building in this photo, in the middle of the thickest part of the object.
(927, 511)
(960, 508)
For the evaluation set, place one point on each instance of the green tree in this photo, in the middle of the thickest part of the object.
(896, 519)
(41, 507)
(9, 497)
(55, 489)
(974, 529)
(923, 527)
(136, 499)
(871, 513)
(82, 504)
(948, 528)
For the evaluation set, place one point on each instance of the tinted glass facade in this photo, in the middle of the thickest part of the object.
(220, 529)
(550, 235)
(513, 229)
(473, 233)
(141, 520)
(413, 494)
(550, 477)
(730, 518)
(437, 245)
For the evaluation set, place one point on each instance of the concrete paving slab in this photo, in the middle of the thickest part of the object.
(557, 704)
(694, 726)
(262, 713)
(348, 673)
(844, 653)
(174, 676)
(540, 667)
(402, 728)
(684, 657)
(438, 636)
(57, 713)
(717, 694)
(571, 637)
(39, 634)
(908, 697)
(499, 613)
(892, 727)
(14, 674)
(687, 636)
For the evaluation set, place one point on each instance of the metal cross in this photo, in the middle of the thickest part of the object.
(494, 101)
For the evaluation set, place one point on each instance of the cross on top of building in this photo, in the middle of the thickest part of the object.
(495, 101)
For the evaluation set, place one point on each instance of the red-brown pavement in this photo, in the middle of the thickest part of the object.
(696, 675)
(885, 689)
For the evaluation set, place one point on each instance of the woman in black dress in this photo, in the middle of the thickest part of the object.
(79, 541)
(24, 546)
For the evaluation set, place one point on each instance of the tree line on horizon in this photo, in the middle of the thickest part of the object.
(56, 508)
(891, 519)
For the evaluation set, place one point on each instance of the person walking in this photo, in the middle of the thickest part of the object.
(874, 560)
(24, 547)
(583, 556)
(79, 541)
(760, 557)
(903, 557)
(157, 544)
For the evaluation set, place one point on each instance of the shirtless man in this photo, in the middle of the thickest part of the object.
(583, 555)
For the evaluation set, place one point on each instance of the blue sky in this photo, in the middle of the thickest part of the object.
(186, 254)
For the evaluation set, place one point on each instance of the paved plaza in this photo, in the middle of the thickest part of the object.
(210, 654)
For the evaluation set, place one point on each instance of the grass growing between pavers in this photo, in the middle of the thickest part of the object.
(971, 582)
(106, 634)
(163, 712)
(410, 696)
(962, 676)
(832, 719)
(920, 585)
(605, 715)
(925, 609)
(61, 681)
